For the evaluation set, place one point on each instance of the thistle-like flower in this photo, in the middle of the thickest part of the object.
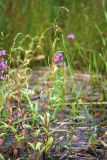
(71, 37)
(59, 58)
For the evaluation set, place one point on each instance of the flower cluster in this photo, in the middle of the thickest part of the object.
(59, 58)
(2, 64)
(71, 37)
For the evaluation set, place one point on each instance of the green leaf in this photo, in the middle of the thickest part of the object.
(36, 107)
(106, 133)
(49, 143)
(1, 157)
(2, 134)
(19, 137)
(6, 125)
(92, 138)
(38, 145)
(37, 132)
(32, 145)
(104, 144)
(13, 129)
(42, 118)
(27, 126)
(45, 129)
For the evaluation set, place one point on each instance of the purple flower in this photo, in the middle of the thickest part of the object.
(59, 58)
(2, 64)
(56, 58)
(71, 36)
(2, 53)
(2, 77)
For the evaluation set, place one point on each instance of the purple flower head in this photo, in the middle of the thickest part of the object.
(2, 77)
(56, 58)
(2, 53)
(59, 58)
(2, 64)
(71, 36)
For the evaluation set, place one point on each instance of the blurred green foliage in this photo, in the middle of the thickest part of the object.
(34, 16)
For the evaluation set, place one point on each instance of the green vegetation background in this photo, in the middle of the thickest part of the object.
(87, 19)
